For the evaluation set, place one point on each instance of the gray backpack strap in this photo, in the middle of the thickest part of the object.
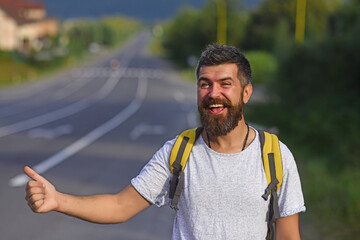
(177, 180)
(274, 212)
(175, 187)
(271, 190)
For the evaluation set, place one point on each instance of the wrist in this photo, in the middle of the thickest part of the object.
(60, 202)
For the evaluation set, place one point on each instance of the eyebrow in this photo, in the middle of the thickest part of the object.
(219, 80)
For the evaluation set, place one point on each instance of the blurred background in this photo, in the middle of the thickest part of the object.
(306, 67)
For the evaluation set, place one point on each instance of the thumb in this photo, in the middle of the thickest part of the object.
(34, 175)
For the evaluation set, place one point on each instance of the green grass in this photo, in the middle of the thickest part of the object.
(13, 73)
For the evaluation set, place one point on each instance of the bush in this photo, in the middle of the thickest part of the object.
(321, 80)
(263, 66)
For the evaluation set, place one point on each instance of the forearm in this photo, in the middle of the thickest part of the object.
(108, 208)
(287, 228)
(297, 237)
(42, 197)
(96, 208)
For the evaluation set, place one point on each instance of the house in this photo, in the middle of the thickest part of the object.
(24, 25)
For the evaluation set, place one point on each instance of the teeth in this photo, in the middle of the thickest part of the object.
(216, 105)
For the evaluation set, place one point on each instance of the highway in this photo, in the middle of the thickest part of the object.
(90, 130)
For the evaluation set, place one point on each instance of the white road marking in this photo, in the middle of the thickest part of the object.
(9, 110)
(191, 115)
(60, 113)
(143, 128)
(71, 88)
(110, 84)
(130, 72)
(183, 102)
(50, 133)
(131, 109)
(43, 119)
(179, 96)
(192, 119)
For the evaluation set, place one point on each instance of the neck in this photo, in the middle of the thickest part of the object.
(232, 142)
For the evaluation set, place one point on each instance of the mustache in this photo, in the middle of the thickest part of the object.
(210, 101)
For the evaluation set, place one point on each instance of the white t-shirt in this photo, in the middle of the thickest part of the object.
(222, 193)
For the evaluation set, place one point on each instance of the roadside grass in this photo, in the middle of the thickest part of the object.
(13, 73)
(333, 197)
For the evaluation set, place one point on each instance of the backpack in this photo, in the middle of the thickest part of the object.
(271, 161)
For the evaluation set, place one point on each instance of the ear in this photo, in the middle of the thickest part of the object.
(248, 89)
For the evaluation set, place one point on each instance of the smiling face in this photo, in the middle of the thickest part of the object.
(220, 98)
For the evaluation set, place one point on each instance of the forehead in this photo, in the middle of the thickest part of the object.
(227, 70)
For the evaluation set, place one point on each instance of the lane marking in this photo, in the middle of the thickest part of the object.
(191, 116)
(193, 119)
(110, 85)
(43, 119)
(130, 72)
(144, 128)
(50, 133)
(19, 107)
(71, 88)
(60, 113)
(125, 61)
(77, 85)
(179, 96)
(131, 109)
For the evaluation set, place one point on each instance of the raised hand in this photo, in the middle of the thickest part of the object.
(40, 193)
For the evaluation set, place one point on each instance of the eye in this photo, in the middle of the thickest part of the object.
(204, 85)
(225, 84)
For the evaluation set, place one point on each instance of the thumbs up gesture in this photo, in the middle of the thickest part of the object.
(40, 193)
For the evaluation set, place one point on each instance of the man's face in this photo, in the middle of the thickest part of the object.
(220, 98)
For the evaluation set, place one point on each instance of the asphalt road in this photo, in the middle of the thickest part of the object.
(89, 131)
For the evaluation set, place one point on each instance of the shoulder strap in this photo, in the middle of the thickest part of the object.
(270, 150)
(271, 157)
(178, 158)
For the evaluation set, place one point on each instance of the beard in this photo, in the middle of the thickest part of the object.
(218, 125)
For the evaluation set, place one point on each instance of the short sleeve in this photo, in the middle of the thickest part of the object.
(291, 200)
(153, 180)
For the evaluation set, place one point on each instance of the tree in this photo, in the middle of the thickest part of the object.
(266, 18)
(191, 30)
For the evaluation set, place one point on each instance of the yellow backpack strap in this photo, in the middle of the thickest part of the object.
(271, 158)
(270, 150)
(178, 158)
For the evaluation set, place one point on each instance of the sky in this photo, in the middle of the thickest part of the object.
(147, 10)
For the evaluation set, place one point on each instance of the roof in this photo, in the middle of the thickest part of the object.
(15, 8)
(21, 4)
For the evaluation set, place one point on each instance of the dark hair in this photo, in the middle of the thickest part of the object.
(216, 54)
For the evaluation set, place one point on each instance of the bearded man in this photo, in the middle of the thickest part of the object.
(223, 179)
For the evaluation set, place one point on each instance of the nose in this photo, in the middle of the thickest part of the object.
(214, 91)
